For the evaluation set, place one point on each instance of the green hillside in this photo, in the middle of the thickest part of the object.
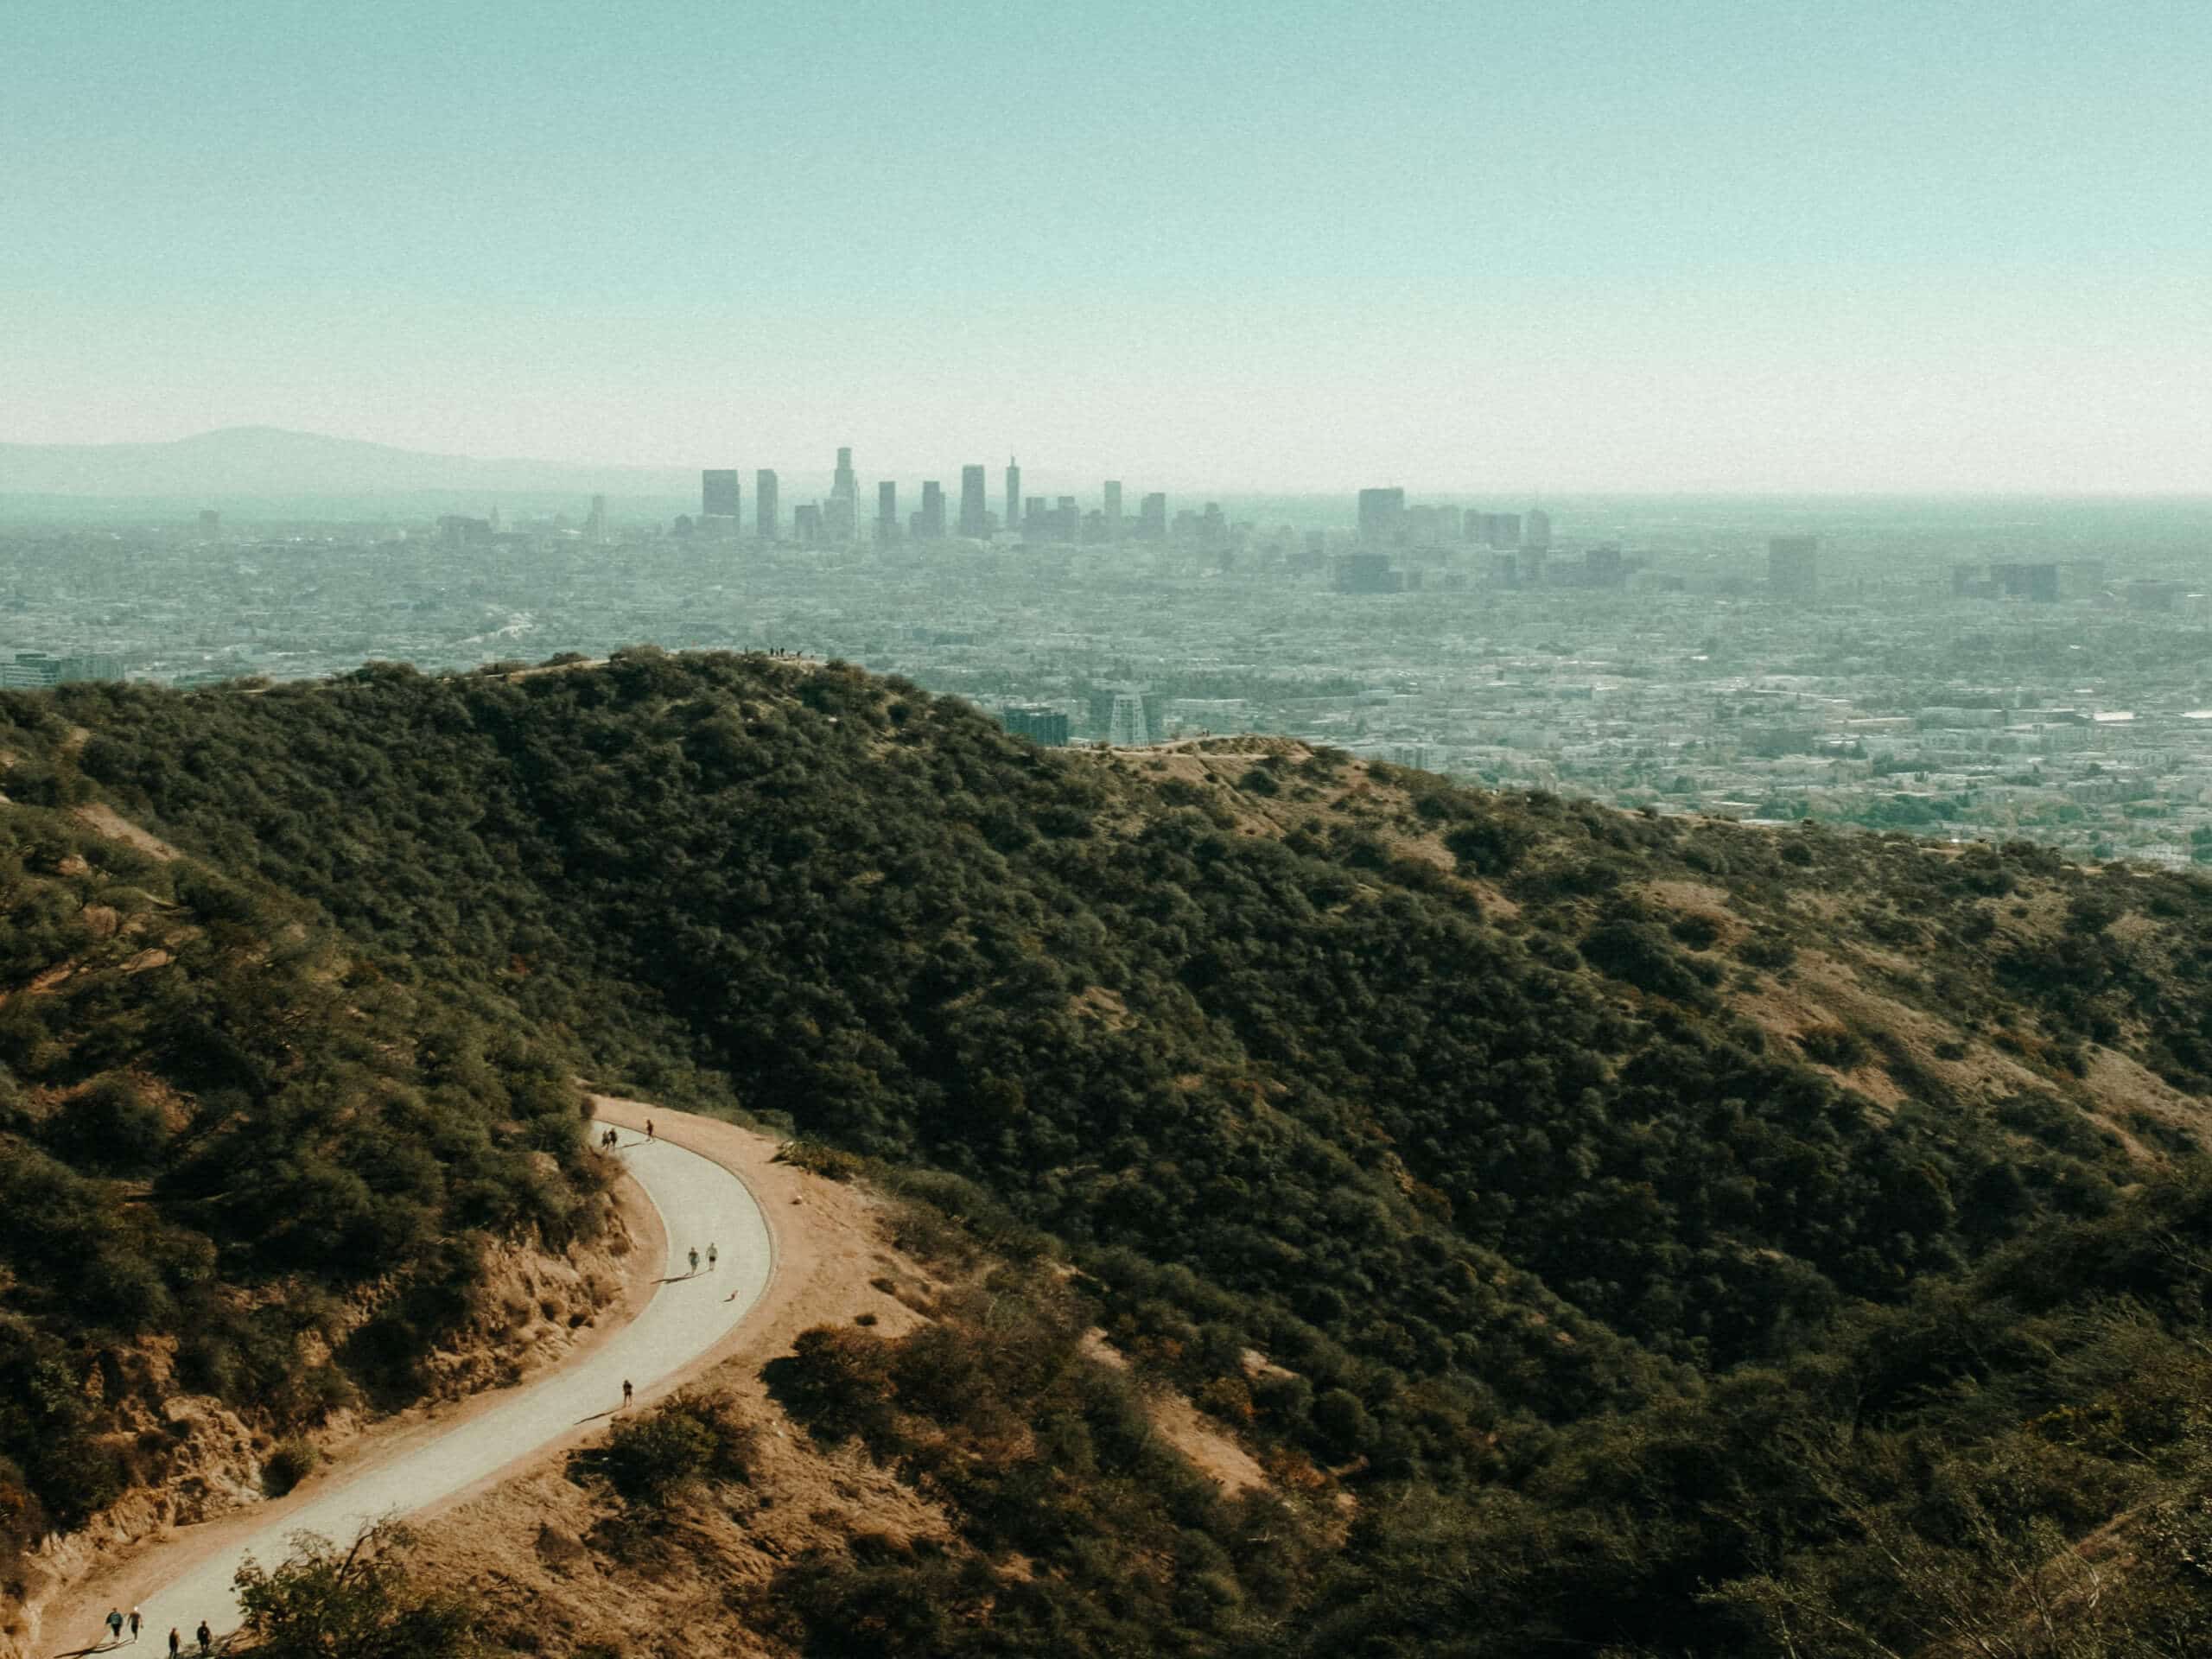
(235, 1159)
(1675, 1238)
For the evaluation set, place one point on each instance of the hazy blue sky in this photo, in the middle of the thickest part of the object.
(1677, 244)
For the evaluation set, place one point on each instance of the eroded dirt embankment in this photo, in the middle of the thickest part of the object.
(554, 1566)
(531, 1311)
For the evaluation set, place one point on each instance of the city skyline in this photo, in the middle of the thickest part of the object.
(1699, 247)
(1383, 516)
(1978, 669)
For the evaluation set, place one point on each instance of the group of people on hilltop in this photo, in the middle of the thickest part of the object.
(115, 1622)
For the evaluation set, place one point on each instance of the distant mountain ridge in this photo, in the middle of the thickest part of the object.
(268, 461)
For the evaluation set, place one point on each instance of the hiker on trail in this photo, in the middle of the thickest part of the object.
(625, 1390)
(176, 1643)
(649, 1129)
(695, 1258)
(712, 1255)
(206, 1637)
(114, 1625)
(135, 1622)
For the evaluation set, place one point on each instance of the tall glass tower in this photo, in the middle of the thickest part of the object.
(975, 512)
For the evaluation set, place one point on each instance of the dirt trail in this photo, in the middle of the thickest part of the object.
(829, 1244)
(770, 1264)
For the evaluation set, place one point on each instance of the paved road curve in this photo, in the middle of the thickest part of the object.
(699, 1202)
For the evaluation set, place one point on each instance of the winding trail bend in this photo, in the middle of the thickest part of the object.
(700, 1202)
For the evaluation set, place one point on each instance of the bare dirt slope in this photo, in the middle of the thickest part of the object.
(633, 1324)
(536, 1551)
(215, 1501)
(826, 1248)
(102, 819)
(1190, 1431)
(557, 1567)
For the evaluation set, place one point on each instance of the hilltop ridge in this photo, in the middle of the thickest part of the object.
(1432, 1140)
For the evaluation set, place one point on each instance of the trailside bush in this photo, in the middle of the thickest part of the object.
(692, 1438)
(289, 1462)
(837, 1382)
(832, 1163)
(321, 1601)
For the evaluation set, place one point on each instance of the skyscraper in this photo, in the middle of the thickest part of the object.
(975, 514)
(718, 492)
(931, 526)
(1113, 509)
(764, 506)
(1792, 566)
(886, 512)
(1152, 517)
(1047, 726)
(596, 524)
(1380, 512)
(1013, 518)
(841, 511)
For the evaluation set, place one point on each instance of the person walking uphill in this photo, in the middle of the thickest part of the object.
(137, 1619)
(625, 1390)
(176, 1643)
(114, 1625)
(206, 1637)
(712, 1255)
(695, 1258)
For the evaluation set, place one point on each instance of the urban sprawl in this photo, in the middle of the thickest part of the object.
(2000, 669)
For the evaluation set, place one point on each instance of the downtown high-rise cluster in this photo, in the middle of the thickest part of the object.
(836, 518)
